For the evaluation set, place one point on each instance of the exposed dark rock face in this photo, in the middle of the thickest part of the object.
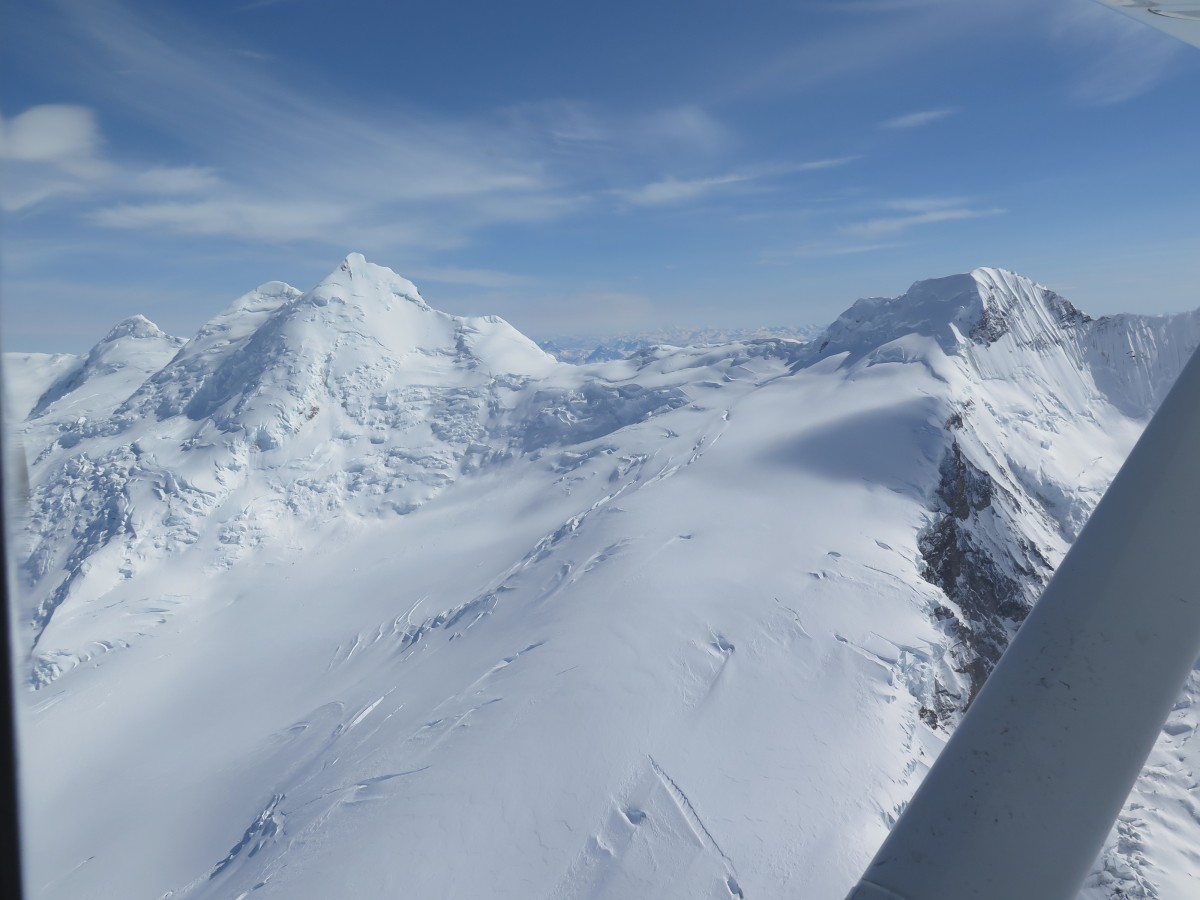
(994, 322)
(992, 326)
(1069, 316)
(993, 583)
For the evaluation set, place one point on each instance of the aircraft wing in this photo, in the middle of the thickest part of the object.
(1179, 18)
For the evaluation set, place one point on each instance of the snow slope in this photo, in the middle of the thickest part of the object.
(345, 596)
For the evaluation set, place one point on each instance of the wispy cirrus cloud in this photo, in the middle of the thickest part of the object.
(822, 249)
(885, 231)
(55, 152)
(671, 190)
(815, 165)
(919, 119)
(244, 219)
(275, 163)
(915, 214)
(50, 152)
(576, 133)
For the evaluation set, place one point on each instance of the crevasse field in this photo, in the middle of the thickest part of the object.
(348, 597)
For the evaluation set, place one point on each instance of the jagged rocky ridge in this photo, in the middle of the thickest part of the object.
(626, 580)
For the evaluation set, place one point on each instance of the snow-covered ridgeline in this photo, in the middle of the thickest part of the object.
(690, 623)
(591, 349)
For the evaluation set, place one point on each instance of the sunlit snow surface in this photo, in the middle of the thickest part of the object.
(346, 597)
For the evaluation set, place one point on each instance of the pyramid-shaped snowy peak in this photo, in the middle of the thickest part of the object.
(978, 307)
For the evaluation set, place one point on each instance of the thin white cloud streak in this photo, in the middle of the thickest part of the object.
(672, 190)
(926, 204)
(880, 232)
(816, 165)
(576, 134)
(31, 189)
(227, 218)
(823, 249)
(340, 225)
(919, 119)
(895, 225)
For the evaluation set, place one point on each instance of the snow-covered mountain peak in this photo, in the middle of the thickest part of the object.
(357, 282)
(267, 297)
(133, 349)
(978, 307)
(363, 310)
(946, 309)
(137, 327)
(136, 342)
(1013, 304)
(264, 364)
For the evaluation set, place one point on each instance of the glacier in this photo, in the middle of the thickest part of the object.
(347, 596)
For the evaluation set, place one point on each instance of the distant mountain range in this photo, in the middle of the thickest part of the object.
(580, 349)
(347, 597)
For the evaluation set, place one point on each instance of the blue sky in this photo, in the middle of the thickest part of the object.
(588, 167)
